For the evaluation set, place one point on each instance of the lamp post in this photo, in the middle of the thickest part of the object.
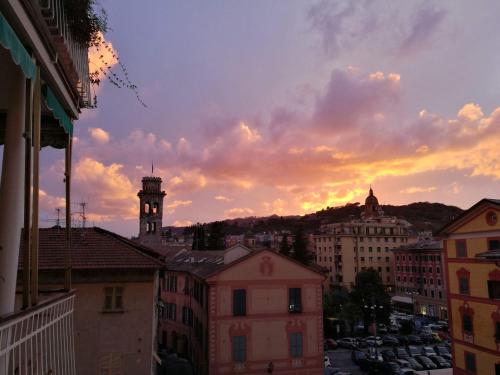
(373, 311)
(412, 293)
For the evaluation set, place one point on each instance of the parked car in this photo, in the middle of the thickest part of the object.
(372, 341)
(443, 352)
(361, 359)
(414, 351)
(347, 342)
(388, 355)
(414, 364)
(394, 328)
(328, 363)
(426, 362)
(401, 353)
(382, 328)
(390, 368)
(440, 361)
(389, 340)
(428, 350)
(414, 340)
(330, 344)
(403, 340)
(361, 343)
(403, 363)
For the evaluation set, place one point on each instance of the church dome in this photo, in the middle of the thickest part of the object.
(371, 200)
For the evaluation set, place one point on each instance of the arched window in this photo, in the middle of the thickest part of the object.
(153, 227)
(147, 208)
(155, 208)
(148, 227)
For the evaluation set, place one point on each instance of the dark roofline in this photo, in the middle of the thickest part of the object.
(255, 252)
(140, 249)
(442, 231)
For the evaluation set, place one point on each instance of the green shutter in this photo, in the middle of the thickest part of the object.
(10, 41)
(57, 110)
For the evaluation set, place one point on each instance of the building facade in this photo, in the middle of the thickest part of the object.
(116, 296)
(472, 263)
(349, 247)
(245, 312)
(419, 278)
(151, 212)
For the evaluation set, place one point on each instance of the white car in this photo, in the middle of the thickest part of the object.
(328, 363)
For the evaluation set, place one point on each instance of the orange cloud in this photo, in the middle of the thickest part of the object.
(99, 135)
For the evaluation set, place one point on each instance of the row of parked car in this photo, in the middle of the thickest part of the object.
(402, 360)
(387, 340)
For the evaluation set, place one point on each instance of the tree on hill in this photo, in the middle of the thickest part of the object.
(199, 237)
(216, 236)
(300, 251)
(369, 291)
(284, 245)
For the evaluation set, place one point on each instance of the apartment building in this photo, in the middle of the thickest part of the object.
(245, 312)
(349, 247)
(472, 264)
(419, 278)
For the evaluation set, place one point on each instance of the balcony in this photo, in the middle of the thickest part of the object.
(72, 55)
(39, 340)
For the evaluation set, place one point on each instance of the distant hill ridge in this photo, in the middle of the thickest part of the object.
(423, 216)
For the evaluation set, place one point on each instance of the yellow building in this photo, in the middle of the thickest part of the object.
(472, 264)
(359, 244)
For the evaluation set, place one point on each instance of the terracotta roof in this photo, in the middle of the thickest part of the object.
(92, 248)
(200, 263)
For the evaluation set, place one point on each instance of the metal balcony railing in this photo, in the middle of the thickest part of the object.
(73, 55)
(39, 340)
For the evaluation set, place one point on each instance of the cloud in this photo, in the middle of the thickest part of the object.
(425, 23)
(102, 58)
(351, 98)
(99, 135)
(418, 189)
(223, 198)
(182, 223)
(238, 212)
(178, 203)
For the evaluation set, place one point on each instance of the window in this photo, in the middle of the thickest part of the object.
(440, 295)
(387, 259)
(296, 344)
(239, 348)
(294, 300)
(172, 283)
(187, 316)
(370, 249)
(494, 289)
(378, 249)
(494, 244)
(430, 269)
(467, 323)
(155, 208)
(463, 285)
(470, 362)
(362, 259)
(113, 299)
(147, 208)
(439, 282)
(186, 285)
(171, 311)
(432, 294)
(153, 226)
(438, 270)
(388, 269)
(239, 302)
(461, 248)
(431, 281)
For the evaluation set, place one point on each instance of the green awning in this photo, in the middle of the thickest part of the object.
(57, 110)
(10, 41)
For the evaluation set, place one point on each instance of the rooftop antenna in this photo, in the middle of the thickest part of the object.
(82, 213)
(58, 221)
(152, 169)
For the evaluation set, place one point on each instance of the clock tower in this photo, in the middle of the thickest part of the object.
(151, 211)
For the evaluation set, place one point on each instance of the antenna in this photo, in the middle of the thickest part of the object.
(58, 220)
(82, 213)
(152, 168)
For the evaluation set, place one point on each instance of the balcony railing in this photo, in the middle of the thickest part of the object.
(39, 340)
(72, 55)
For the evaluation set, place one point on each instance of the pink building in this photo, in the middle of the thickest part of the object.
(257, 311)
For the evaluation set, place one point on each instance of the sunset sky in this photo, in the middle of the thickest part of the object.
(263, 107)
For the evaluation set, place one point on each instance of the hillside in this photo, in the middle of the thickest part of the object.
(423, 216)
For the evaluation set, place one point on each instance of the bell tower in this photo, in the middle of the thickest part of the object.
(150, 211)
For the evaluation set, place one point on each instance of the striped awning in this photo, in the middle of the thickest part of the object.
(57, 110)
(10, 41)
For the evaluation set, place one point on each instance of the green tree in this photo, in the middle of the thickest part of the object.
(300, 251)
(216, 236)
(369, 291)
(284, 245)
(199, 237)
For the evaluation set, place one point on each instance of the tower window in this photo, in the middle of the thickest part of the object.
(147, 208)
(148, 227)
(153, 227)
(155, 208)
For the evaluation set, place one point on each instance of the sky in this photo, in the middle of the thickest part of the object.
(286, 107)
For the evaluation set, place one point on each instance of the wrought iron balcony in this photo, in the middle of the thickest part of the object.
(39, 340)
(72, 55)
